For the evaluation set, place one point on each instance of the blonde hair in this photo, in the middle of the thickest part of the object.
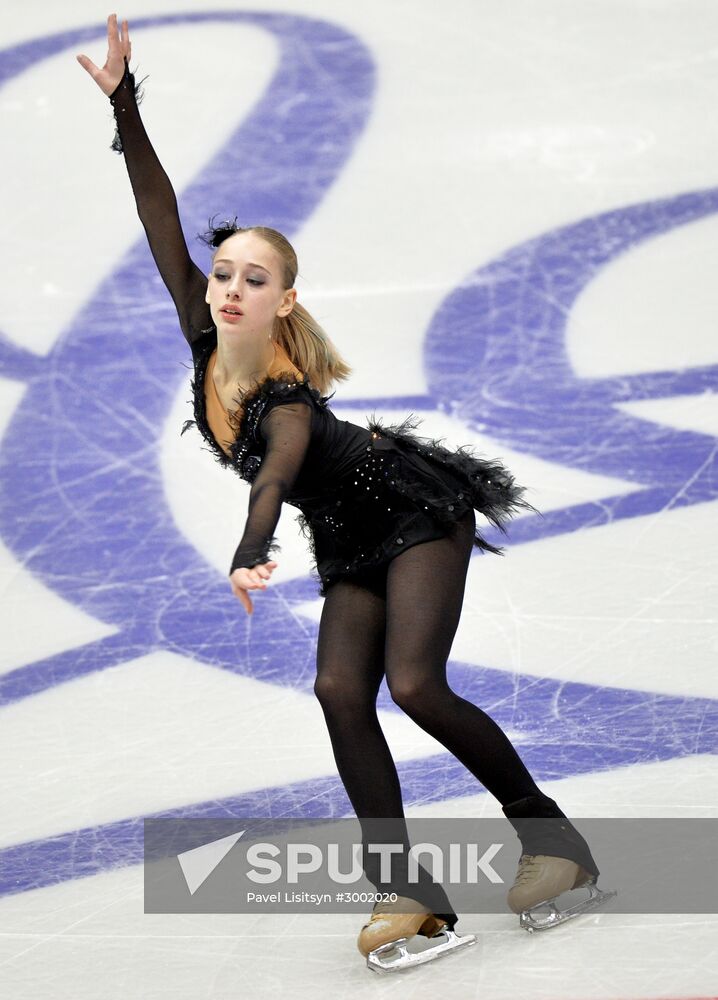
(305, 342)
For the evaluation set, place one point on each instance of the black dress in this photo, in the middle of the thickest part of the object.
(365, 494)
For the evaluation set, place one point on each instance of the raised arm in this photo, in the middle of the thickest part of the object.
(155, 198)
(287, 431)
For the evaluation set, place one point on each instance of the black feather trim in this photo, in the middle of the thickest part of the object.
(484, 484)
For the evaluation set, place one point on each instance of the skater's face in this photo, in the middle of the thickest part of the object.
(245, 290)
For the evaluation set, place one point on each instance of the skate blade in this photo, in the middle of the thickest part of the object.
(544, 916)
(379, 960)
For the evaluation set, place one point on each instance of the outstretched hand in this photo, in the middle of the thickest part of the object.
(244, 579)
(119, 48)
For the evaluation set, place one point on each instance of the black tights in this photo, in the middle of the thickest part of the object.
(405, 629)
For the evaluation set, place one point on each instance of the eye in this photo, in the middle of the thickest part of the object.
(220, 276)
(255, 281)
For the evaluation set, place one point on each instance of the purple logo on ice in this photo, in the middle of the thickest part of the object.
(90, 528)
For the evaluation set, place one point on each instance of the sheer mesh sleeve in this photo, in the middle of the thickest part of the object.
(287, 430)
(157, 209)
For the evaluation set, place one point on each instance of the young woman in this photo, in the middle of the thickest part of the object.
(391, 523)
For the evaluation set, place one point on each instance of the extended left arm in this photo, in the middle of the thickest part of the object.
(287, 432)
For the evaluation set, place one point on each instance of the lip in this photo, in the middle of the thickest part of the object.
(235, 311)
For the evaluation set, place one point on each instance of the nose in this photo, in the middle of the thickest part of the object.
(234, 287)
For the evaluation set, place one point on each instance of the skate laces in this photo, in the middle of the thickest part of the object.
(527, 868)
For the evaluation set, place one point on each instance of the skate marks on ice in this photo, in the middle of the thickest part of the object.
(497, 358)
(562, 729)
(94, 504)
(510, 315)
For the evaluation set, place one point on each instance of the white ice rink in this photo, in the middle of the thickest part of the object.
(506, 216)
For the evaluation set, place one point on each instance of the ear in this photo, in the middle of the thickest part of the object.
(288, 300)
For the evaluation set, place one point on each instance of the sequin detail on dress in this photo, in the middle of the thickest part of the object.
(246, 451)
(488, 486)
(395, 490)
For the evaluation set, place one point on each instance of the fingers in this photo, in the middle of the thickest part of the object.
(243, 580)
(88, 64)
(119, 50)
(261, 572)
(118, 38)
(241, 594)
(112, 32)
(125, 43)
(244, 598)
(247, 579)
(264, 571)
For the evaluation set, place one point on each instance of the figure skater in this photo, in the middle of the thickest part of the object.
(390, 520)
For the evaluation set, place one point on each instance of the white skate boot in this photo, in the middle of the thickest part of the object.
(555, 859)
(383, 939)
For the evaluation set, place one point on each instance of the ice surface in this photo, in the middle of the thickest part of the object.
(505, 216)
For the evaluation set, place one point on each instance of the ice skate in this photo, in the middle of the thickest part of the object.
(383, 940)
(555, 859)
(540, 879)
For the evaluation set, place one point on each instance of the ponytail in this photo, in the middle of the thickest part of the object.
(310, 349)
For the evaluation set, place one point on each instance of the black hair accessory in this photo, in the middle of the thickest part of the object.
(215, 235)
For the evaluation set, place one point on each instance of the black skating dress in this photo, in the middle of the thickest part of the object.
(365, 494)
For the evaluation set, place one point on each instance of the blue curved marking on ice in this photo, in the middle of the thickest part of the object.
(496, 358)
(509, 316)
(507, 324)
(17, 362)
(563, 728)
(96, 527)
